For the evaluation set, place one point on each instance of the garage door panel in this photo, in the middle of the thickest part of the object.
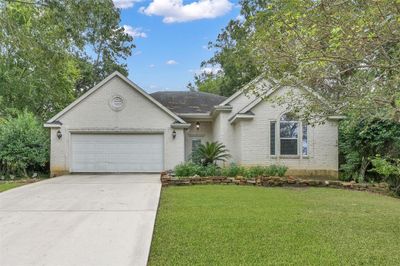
(117, 152)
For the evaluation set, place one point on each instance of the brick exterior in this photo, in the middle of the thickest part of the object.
(247, 140)
(94, 114)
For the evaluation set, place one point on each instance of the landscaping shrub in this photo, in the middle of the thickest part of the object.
(210, 170)
(255, 171)
(233, 170)
(280, 170)
(187, 169)
(210, 153)
(361, 140)
(271, 170)
(23, 145)
(192, 169)
(390, 170)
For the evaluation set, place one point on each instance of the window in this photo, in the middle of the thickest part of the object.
(195, 144)
(272, 137)
(304, 140)
(288, 135)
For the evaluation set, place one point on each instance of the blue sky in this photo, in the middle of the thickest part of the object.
(171, 38)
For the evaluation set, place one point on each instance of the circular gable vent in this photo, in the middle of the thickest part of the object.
(117, 103)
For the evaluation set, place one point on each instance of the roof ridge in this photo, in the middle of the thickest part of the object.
(200, 92)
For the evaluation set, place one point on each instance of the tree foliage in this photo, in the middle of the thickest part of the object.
(52, 51)
(389, 168)
(235, 58)
(361, 141)
(23, 145)
(347, 51)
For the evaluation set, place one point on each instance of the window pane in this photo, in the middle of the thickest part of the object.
(272, 136)
(305, 142)
(288, 129)
(289, 146)
(195, 144)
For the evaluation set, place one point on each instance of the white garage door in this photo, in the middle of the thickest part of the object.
(117, 152)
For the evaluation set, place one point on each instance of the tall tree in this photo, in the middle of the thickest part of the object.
(51, 51)
(347, 51)
(234, 58)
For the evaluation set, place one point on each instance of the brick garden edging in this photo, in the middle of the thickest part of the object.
(273, 181)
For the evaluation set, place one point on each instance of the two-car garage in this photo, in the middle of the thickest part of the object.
(115, 127)
(117, 153)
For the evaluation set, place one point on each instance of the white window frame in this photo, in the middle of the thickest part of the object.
(298, 124)
(278, 138)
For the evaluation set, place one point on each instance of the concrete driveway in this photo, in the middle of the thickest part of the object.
(79, 220)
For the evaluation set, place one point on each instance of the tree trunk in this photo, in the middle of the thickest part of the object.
(363, 168)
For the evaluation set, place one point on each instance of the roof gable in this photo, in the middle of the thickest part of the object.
(271, 91)
(266, 92)
(242, 90)
(100, 84)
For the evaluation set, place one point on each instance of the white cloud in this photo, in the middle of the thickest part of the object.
(152, 65)
(207, 70)
(135, 32)
(125, 3)
(175, 11)
(240, 18)
(137, 53)
(211, 70)
(171, 62)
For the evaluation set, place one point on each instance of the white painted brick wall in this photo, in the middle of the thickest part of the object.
(205, 133)
(249, 140)
(94, 113)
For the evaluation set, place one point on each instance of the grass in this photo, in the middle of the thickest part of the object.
(6, 185)
(232, 225)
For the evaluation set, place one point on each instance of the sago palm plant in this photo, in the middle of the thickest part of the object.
(210, 153)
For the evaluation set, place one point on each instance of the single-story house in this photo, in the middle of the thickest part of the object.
(117, 127)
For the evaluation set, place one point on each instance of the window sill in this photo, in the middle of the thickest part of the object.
(289, 157)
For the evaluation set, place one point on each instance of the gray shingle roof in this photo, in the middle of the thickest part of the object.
(183, 102)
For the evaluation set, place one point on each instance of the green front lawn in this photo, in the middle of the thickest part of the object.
(232, 225)
(6, 185)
